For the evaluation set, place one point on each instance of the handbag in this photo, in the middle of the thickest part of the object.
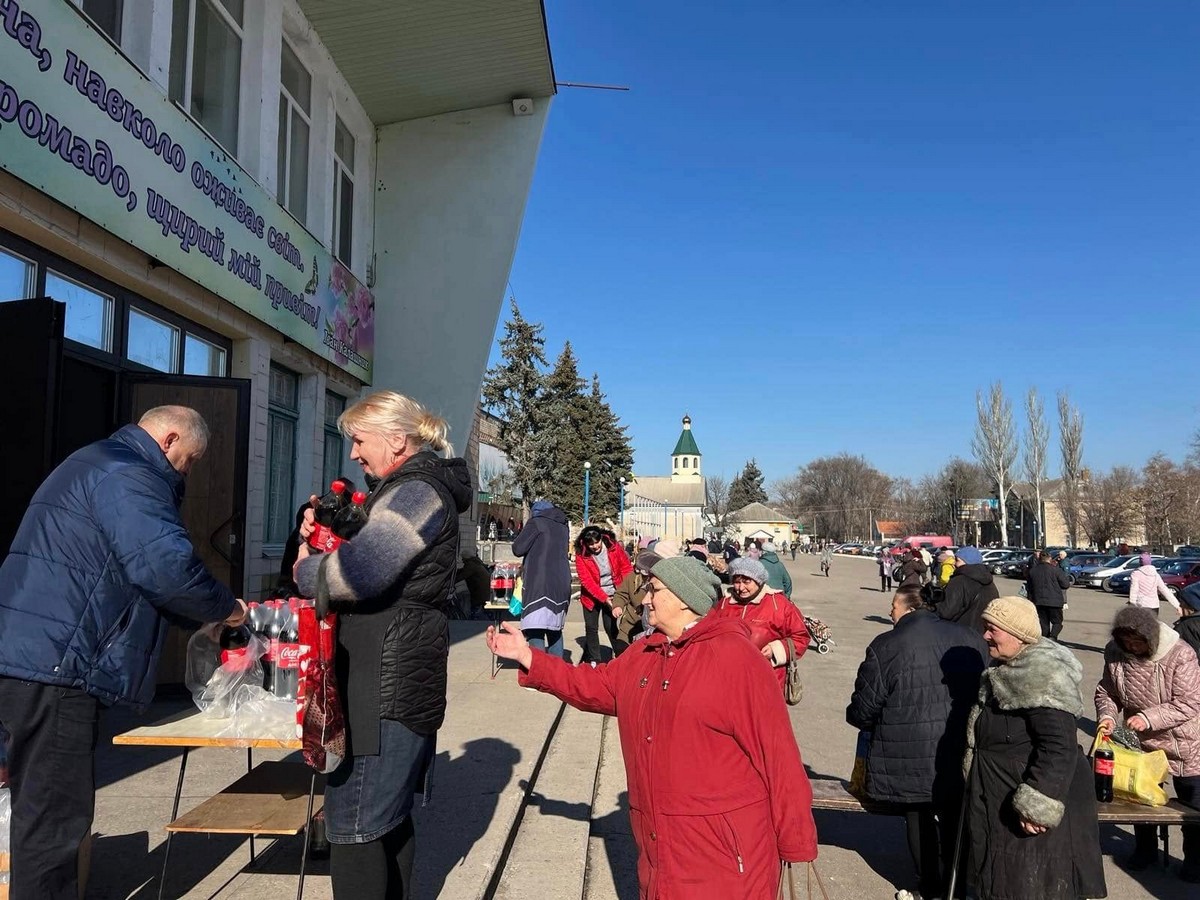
(793, 687)
(323, 723)
(787, 882)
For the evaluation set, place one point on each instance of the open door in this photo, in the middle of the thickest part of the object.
(214, 505)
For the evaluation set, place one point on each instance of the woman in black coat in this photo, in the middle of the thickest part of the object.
(542, 546)
(1031, 810)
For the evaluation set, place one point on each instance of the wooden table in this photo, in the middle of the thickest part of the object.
(269, 799)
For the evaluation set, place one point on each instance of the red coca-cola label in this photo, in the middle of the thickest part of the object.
(1104, 766)
(237, 660)
(323, 539)
(290, 655)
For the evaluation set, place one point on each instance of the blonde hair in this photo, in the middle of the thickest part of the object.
(389, 413)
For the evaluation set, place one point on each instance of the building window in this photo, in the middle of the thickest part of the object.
(206, 64)
(202, 358)
(152, 342)
(695, 462)
(295, 97)
(685, 462)
(343, 191)
(335, 444)
(107, 16)
(16, 277)
(283, 409)
(89, 313)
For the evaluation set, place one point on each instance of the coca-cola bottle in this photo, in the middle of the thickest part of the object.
(1103, 768)
(235, 645)
(287, 663)
(350, 520)
(324, 513)
(273, 624)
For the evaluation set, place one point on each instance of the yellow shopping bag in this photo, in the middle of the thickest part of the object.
(1137, 774)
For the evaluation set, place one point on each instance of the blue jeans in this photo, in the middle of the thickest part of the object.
(368, 796)
(551, 641)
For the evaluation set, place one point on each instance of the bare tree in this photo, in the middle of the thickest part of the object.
(1112, 508)
(1165, 497)
(1070, 443)
(995, 445)
(1036, 440)
(719, 513)
(842, 494)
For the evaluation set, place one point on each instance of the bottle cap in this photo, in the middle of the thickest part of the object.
(338, 486)
(358, 497)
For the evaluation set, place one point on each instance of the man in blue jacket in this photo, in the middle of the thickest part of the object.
(99, 563)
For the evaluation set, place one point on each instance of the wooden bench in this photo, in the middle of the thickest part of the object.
(270, 799)
(834, 795)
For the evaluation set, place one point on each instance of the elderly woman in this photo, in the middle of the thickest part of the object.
(717, 791)
(1151, 678)
(389, 586)
(602, 565)
(773, 619)
(1031, 811)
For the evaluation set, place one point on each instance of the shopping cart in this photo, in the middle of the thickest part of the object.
(822, 636)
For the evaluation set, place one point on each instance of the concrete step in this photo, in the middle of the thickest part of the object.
(549, 853)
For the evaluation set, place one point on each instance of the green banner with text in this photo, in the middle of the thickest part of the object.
(82, 124)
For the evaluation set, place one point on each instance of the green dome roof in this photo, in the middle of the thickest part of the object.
(686, 445)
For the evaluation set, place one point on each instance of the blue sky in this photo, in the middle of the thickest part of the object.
(822, 226)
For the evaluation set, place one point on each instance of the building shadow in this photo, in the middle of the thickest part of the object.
(466, 791)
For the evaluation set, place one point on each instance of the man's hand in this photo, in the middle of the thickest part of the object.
(1137, 723)
(239, 616)
(310, 523)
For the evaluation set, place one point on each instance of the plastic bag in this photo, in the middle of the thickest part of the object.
(1137, 775)
(322, 725)
(233, 690)
(5, 820)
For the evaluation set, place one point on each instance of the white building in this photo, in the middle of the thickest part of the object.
(670, 506)
(261, 208)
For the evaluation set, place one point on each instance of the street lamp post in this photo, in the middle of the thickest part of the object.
(622, 507)
(587, 489)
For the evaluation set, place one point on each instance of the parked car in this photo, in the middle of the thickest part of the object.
(850, 549)
(1016, 566)
(994, 559)
(1177, 573)
(1100, 576)
(1188, 550)
(1076, 564)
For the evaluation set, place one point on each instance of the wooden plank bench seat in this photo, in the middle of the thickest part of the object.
(271, 799)
(830, 794)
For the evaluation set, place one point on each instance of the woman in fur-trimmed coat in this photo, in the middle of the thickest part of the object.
(1031, 810)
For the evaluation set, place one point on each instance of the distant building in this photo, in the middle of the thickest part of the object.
(759, 522)
(670, 506)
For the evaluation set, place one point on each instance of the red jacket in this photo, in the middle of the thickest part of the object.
(772, 618)
(717, 791)
(589, 574)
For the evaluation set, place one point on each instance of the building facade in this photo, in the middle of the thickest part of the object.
(670, 506)
(263, 209)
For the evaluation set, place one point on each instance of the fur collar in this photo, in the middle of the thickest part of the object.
(1045, 674)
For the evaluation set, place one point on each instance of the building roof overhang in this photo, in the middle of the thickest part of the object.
(407, 59)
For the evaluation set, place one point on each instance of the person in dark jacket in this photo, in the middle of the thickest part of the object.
(1031, 809)
(545, 575)
(913, 692)
(912, 569)
(1188, 624)
(390, 586)
(968, 592)
(1044, 586)
(99, 563)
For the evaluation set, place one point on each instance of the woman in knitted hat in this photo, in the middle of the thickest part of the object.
(718, 794)
(773, 619)
(1151, 677)
(1031, 812)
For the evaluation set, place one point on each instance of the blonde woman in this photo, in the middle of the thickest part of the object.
(389, 586)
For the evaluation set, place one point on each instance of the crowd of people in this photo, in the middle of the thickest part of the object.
(969, 706)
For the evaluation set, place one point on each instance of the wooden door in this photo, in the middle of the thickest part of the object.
(214, 504)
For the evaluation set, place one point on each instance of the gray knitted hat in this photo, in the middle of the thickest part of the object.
(689, 580)
(750, 568)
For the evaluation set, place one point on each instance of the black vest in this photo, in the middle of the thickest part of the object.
(393, 648)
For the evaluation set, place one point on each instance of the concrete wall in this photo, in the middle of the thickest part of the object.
(450, 197)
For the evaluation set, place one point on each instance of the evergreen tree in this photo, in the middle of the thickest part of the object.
(610, 453)
(564, 446)
(513, 390)
(747, 487)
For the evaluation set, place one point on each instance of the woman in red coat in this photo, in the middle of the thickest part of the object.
(772, 617)
(602, 565)
(717, 791)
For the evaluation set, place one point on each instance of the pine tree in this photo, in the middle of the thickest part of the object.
(611, 454)
(513, 390)
(747, 487)
(564, 446)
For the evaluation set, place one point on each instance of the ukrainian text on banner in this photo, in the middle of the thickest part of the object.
(80, 123)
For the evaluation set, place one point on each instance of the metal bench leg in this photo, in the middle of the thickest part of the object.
(1165, 833)
(249, 769)
(312, 790)
(162, 881)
